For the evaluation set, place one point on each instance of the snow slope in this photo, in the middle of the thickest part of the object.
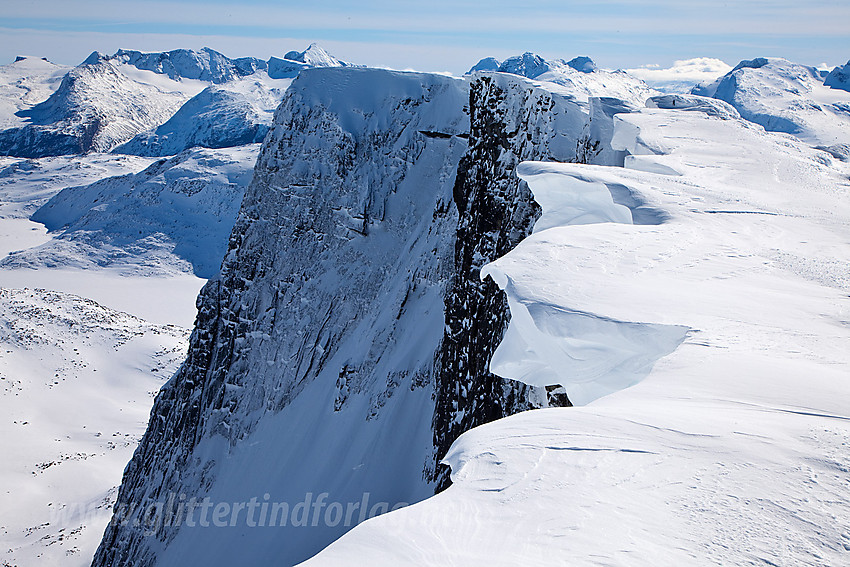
(732, 448)
(76, 383)
(173, 217)
(27, 184)
(95, 108)
(236, 113)
(786, 97)
(25, 83)
(839, 78)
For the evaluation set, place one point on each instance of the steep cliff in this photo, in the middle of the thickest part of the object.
(345, 343)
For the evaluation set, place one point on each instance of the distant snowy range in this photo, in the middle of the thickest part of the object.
(296, 310)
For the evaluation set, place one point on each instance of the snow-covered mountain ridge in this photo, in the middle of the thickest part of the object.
(108, 100)
(174, 216)
(733, 448)
(787, 97)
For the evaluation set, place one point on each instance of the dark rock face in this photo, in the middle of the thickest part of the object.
(496, 211)
(331, 182)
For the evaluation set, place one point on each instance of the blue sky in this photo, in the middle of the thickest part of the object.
(437, 35)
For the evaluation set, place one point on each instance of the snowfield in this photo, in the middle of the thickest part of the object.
(732, 447)
(76, 384)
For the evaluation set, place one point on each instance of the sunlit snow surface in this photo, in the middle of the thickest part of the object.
(732, 449)
(76, 383)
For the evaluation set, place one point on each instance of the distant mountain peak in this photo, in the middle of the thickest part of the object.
(315, 56)
(532, 65)
(527, 65)
(839, 78)
(295, 61)
(583, 64)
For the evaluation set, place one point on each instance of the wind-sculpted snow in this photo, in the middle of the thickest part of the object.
(95, 108)
(546, 342)
(785, 97)
(322, 347)
(174, 216)
(732, 449)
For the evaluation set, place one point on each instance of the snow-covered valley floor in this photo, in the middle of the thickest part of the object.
(731, 448)
(82, 353)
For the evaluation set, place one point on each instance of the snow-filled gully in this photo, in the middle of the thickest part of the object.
(591, 355)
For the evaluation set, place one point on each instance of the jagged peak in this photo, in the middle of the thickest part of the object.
(95, 57)
(206, 64)
(315, 56)
(528, 65)
(296, 61)
(532, 65)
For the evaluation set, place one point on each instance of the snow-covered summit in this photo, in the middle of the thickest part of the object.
(531, 65)
(235, 113)
(528, 65)
(205, 65)
(296, 61)
(839, 78)
(95, 108)
(486, 64)
(315, 56)
(783, 96)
